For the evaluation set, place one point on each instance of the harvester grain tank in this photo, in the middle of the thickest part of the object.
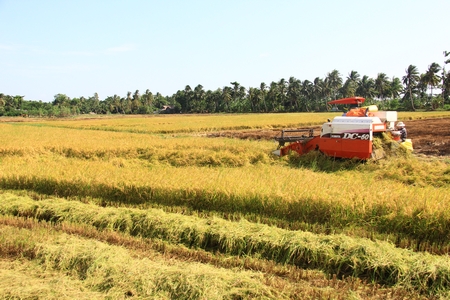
(347, 136)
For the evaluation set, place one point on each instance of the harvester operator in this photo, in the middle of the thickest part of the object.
(401, 128)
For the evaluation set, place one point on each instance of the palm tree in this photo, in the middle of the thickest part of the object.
(135, 102)
(351, 84)
(226, 97)
(318, 93)
(116, 103)
(199, 98)
(61, 100)
(445, 80)
(293, 92)
(334, 82)
(238, 95)
(282, 86)
(382, 86)
(2, 101)
(262, 94)
(273, 96)
(431, 78)
(447, 53)
(147, 99)
(253, 98)
(236, 87)
(188, 97)
(395, 87)
(445, 86)
(306, 92)
(365, 87)
(410, 80)
(421, 89)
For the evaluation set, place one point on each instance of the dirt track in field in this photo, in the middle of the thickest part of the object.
(429, 137)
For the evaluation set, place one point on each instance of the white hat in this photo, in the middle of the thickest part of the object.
(401, 124)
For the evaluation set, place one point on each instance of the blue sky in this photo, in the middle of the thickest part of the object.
(80, 47)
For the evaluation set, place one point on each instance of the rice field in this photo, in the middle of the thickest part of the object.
(99, 202)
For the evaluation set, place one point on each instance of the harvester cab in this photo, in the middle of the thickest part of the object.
(347, 136)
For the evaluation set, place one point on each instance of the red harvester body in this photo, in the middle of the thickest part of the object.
(347, 136)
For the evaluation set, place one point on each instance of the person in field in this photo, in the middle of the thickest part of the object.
(401, 127)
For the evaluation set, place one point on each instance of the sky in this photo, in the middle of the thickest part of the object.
(82, 47)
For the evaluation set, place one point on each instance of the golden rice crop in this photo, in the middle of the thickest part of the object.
(27, 278)
(335, 254)
(167, 161)
(113, 272)
(221, 174)
(165, 124)
(255, 184)
(192, 123)
(22, 279)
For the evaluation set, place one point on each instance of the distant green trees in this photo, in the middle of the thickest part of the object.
(429, 90)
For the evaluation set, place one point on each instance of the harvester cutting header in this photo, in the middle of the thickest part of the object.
(347, 136)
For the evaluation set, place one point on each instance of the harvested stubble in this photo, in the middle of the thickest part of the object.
(294, 282)
(335, 254)
(110, 271)
(24, 279)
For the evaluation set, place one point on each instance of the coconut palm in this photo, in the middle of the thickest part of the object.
(351, 84)
(382, 86)
(2, 100)
(410, 80)
(226, 97)
(273, 96)
(199, 104)
(253, 98)
(445, 86)
(445, 79)
(293, 92)
(319, 94)
(262, 94)
(282, 88)
(188, 94)
(334, 82)
(366, 87)
(306, 92)
(431, 79)
(395, 87)
(394, 90)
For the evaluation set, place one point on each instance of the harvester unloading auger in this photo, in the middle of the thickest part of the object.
(347, 136)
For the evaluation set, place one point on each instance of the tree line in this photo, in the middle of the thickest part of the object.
(415, 90)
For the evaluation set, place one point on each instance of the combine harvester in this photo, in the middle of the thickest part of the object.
(347, 136)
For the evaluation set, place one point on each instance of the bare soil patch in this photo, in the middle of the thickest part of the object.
(429, 136)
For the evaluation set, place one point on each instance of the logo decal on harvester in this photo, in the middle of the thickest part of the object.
(355, 136)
